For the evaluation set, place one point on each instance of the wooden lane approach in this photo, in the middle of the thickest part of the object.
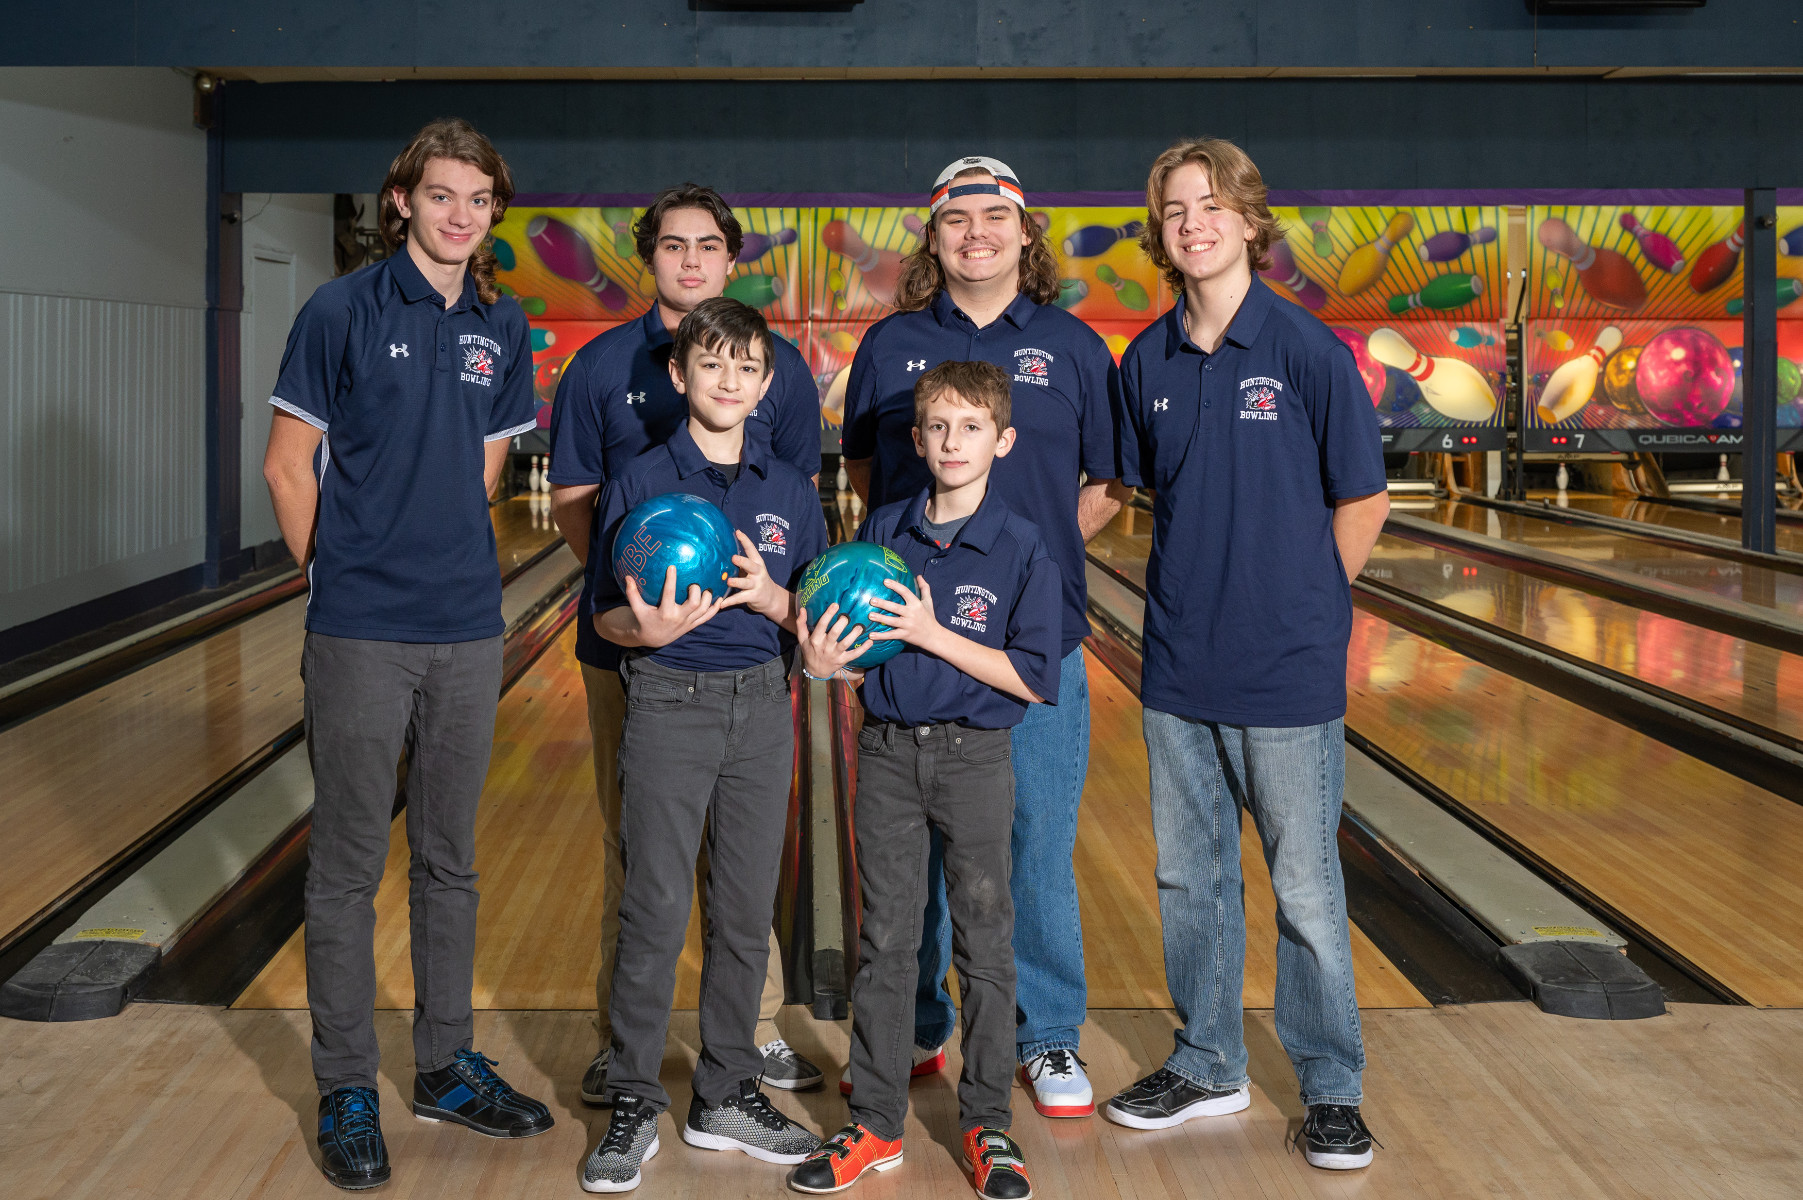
(91, 782)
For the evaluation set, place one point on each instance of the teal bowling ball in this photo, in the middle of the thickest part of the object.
(851, 575)
(674, 530)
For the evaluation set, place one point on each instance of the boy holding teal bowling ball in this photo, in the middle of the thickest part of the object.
(706, 752)
(981, 637)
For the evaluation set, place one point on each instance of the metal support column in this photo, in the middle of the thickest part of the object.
(1759, 373)
(225, 307)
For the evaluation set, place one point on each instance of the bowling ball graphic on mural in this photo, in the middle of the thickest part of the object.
(674, 530)
(546, 376)
(1618, 381)
(1685, 377)
(851, 575)
(1370, 370)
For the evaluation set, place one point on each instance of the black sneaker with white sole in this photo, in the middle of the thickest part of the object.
(470, 1094)
(594, 1080)
(629, 1143)
(748, 1122)
(786, 1069)
(1334, 1138)
(1165, 1098)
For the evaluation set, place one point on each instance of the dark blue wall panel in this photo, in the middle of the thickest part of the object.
(894, 136)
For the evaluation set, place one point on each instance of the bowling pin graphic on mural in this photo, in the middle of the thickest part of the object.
(1451, 243)
(1715, 266)
(1286, 274)
(756, 245)
(1786, 292)
(1366, 265)
(1127, 291)
(879, 269)
(1448, 291)
(1092, 240)
(1606, 274)
(1316, 217)
(567, 253)
(1453, 387)
(1660, 250)
(1571, 386)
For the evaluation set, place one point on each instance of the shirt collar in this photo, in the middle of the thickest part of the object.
(415, 287)
(979, 531)
(1019, 311)
(689, 459)
(652, 324)
(1242, 331)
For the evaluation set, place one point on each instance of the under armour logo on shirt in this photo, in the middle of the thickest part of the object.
(635, 397)
(399, 351)
(917, 364)
(1160, 405)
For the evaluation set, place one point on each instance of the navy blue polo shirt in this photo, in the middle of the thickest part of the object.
(996, 584)
(775, 505)
(1247, 448)
(615, 401)
(406, 392)
(1064, 391)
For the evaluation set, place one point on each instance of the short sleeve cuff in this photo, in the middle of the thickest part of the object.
(295, 410)
(528, 427)
(1356, 490)
(1039, 673)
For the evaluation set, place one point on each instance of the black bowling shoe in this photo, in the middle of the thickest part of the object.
(469, 1093)
(351, 1150)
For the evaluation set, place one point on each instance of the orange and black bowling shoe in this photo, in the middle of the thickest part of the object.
(842, 1158)
(996, 1165)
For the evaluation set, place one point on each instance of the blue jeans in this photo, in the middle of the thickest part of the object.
(1291, 781)
(1050, 753)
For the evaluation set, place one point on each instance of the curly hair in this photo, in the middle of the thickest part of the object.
(456, 139)
(922, 277)
(1236, 184)
(686, 195)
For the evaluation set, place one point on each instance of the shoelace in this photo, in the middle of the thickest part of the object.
(1335, 1124)
(623, 1127)
(354, 1114)
(757, 1106)
(1159, 1080)
(1056, 1063)
(482, 1067)
(780, 1048)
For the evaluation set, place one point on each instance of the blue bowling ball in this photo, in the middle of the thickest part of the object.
(851, 575)
(674, 530)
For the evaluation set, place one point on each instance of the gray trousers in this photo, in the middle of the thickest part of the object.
(367, 702)
(960, 782)
(711, 751)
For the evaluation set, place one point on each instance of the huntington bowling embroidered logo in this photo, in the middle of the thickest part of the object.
(970, 607)
(1033, 366)
(1258, 398)
(773, 534)
(480, 355)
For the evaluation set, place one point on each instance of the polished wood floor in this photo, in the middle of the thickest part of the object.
(90, 779)
(1754, 682)
(1788, 537)
(1470, 1103)
(1702, 861)
(538, 849)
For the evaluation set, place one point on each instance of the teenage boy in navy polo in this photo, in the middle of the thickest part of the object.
(1247, 418)
(982, 643)
(615, 402)
(707, 750)
(400, 388)
(981, 286)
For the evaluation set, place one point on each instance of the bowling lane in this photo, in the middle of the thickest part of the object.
(1723, 525)
(1726, 578)
(1687, 855)
(1751, 681)
(1117, 886)
(89, 780)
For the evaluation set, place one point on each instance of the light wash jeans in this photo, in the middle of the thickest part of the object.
(1291, 781)
(1050, 754)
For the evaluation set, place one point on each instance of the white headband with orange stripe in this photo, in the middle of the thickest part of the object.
(1005, 182)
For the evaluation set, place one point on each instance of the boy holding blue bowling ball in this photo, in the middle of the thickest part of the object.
(982, 641)
(707, 750)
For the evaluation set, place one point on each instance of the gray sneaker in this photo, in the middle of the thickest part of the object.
(784, 1068)
(594, 1080)
(748, 1122)
(630, 1142)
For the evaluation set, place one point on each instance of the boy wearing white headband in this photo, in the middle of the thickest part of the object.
(981, 287)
